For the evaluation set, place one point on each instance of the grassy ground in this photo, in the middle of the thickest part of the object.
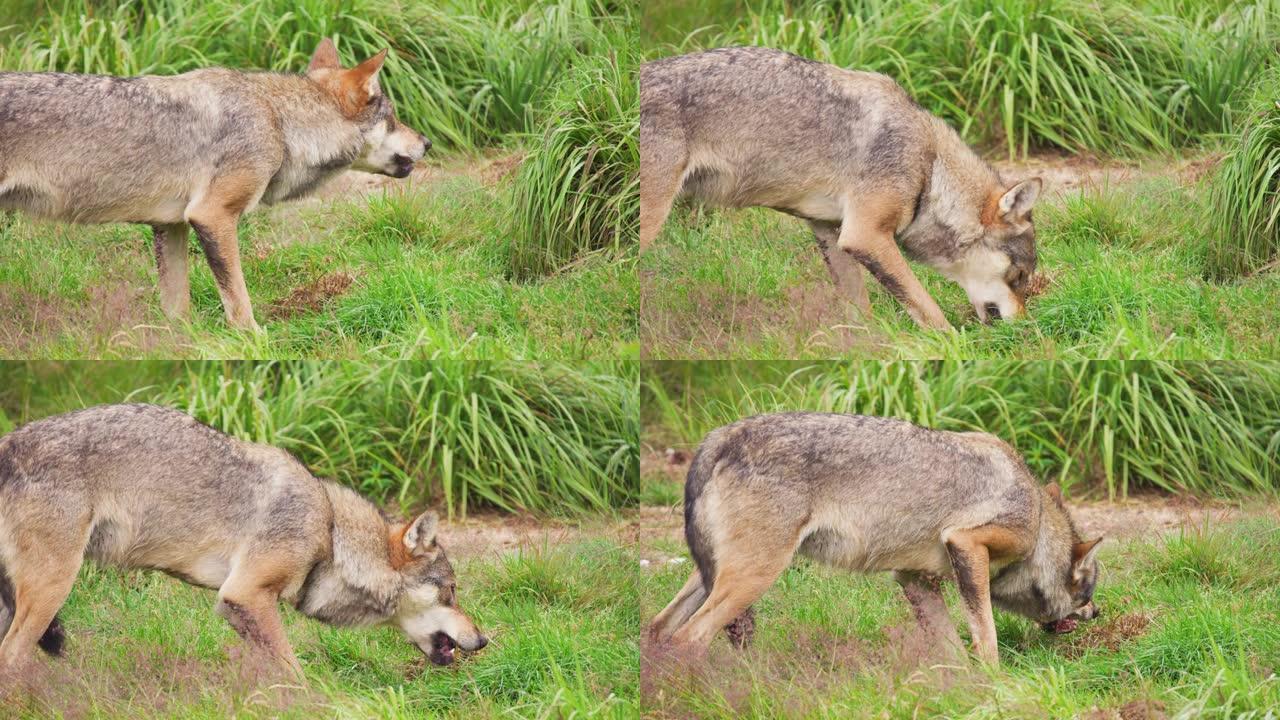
(1126, 278)
(145, 645)
(406, 272)
(1189, 628)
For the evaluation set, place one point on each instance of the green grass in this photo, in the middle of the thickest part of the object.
(1189, 621)
(145, 645)
(1102, 426)
(547, 438)
(1246, 194)
(429, 269)
(1127, 268)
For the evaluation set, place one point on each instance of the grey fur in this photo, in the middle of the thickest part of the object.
(748, 126)
(141, 486)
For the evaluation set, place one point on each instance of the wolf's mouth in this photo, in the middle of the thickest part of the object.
(404, 166)
(442, 647)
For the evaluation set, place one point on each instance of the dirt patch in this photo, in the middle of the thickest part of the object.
(114, 311)
(313, 296)
(490, 534)
(1069, 174)
(813, 311)
(1110, 634)
(1143, 710)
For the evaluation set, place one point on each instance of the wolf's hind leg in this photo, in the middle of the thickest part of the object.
(662, 165)
(39, 593)
(680, 609)
(867, 235)
(743, 574)
(924, 593)
(845, 272)
(171, 263)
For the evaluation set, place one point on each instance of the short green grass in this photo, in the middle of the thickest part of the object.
(1191, 624)
(1126, 269)
(428, 269)
(143, 645)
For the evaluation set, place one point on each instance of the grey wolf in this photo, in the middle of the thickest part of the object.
(872, 173)
(141, 486)
(875, 494)
(196, 150)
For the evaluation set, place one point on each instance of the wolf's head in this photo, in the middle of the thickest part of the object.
(390, 146)
(996, 270)
(428, 611)
(1055, 585)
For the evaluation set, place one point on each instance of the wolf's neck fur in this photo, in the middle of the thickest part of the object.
(320, 142)
(959, 186)
(355, 585)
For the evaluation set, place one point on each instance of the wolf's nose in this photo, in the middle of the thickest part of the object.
(993, 311)
(482, 642)
(426, 144)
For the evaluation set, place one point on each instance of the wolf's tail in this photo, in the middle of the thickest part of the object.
(695, 535)
(53, 638)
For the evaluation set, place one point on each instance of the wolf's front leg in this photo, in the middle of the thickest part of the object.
(845, 273)
(866, 234)
(971, 562)
(214, 220)
(171, 263)
(255, 616)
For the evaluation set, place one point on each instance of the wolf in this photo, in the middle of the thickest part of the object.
(873, 174)
(142, 486)
(874, 494)
(196, 150)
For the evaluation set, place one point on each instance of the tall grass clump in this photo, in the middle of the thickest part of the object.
(514, 436)
(1119, 78)
(466, 73)
(1202, 427)
(1244, 200)
(578, 189)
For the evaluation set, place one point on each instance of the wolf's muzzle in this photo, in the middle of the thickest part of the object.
(404, 166)
(993, 311)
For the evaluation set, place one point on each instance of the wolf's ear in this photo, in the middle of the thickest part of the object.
(325, 57)
(1054, 491)
(420, 536)
(1017, 201)
(365, 75)
(1083, 552)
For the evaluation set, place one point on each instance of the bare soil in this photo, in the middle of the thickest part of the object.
(493, 534)
(312, 296)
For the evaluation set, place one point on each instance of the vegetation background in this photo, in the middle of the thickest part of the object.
(1172, 254)
(1189, 614)
(517, 239)
(556, 443)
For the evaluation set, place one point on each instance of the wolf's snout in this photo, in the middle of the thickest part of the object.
(481, 642)
(993, 311)
(426, 144)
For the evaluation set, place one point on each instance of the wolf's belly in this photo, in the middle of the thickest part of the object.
(853, 552)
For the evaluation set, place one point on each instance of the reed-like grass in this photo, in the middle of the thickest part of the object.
(578, 190)
(1244, 223)
(1115, 426)
(547, 438)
